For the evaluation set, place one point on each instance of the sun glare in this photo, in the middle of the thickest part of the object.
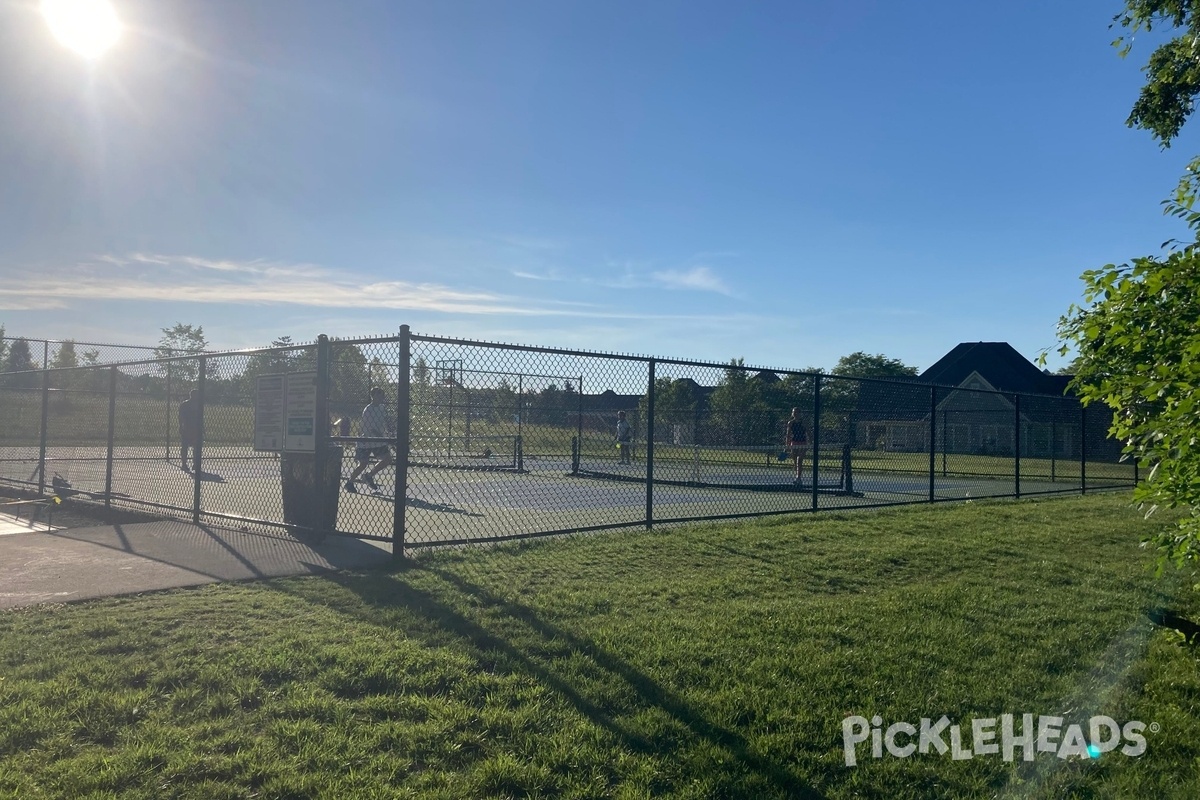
(89, 27)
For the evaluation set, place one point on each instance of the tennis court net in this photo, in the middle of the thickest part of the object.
(487, 452)
(761, 468)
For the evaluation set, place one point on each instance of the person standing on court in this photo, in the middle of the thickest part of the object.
(375, 424)
(796, 441)
(189, 428)
(624, 438)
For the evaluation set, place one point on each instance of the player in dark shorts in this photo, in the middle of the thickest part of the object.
(377, 425)
(797, 442)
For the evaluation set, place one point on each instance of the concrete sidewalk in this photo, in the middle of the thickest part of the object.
(65, 565)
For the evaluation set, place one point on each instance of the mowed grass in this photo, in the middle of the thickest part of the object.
(701, 662)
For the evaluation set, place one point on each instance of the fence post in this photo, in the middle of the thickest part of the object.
(41, 468)
(321, 437)
(1082, 448)
(933, 442)
(403, 442)
(816, 438)
(198, 456)
(1053, 445)
(112, 430)
(1017, 445)
(650, 447)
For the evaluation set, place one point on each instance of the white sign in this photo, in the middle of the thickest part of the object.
(300, 412)
(285, 412)
(268, 412)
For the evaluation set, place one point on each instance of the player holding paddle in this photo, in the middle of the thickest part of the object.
(796, 441)
(375, 424)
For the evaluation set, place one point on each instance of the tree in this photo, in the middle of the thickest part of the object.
(1137, 334)
(20, 359)
(1172, 84)
(676, 408)
(739, 409)
(65, 357)
(182, 340)
(861, 365)
(1139, 354)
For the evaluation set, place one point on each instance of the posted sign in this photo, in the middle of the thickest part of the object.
(285, 412)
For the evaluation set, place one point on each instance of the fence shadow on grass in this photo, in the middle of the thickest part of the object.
(436, 608)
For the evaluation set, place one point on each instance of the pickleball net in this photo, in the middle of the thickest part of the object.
(737, 467)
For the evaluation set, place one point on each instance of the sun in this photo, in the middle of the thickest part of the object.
(89, 27)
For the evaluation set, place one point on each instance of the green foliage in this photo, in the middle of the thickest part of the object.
(1137, 342)
(861, 365)
(1172, 84)
(181, 340)
(19, 357)
(65, 357)
(1139, 346)
(676, 402)
(739, 409)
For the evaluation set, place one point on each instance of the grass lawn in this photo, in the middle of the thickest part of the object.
(700, 662)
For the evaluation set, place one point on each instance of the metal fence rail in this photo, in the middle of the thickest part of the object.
(494, 442)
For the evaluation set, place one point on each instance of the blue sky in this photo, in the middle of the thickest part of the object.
(786, 182)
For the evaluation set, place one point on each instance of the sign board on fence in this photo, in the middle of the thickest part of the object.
(268, 412)
(285, 412)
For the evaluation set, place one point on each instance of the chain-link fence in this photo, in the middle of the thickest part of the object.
(22, 353)
(426, 440)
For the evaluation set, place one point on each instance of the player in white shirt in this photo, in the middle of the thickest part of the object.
(375, 424)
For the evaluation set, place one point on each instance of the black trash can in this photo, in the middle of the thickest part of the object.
(302, 506)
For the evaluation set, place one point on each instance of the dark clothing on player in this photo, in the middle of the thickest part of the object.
(796, 433)
(189, 429)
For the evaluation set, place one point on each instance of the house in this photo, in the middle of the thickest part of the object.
(981, 415)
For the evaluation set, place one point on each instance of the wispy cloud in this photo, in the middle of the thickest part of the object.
(153, 277)
(701, 279)
(531, 276)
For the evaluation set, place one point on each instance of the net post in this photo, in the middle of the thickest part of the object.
(945, 441)
(1082, 448)
(41, 468)
(574, 455)
(321, 438)
(816, 440)
(198, 448)
(847, 474)
(168, 404)
(519, 455)
(1053, 444)
(579, 419)
(112, 429)
(403, 442)
(933, 442)
(650, 446)
(1017, 445)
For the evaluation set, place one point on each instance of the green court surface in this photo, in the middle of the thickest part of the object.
(445, 504)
